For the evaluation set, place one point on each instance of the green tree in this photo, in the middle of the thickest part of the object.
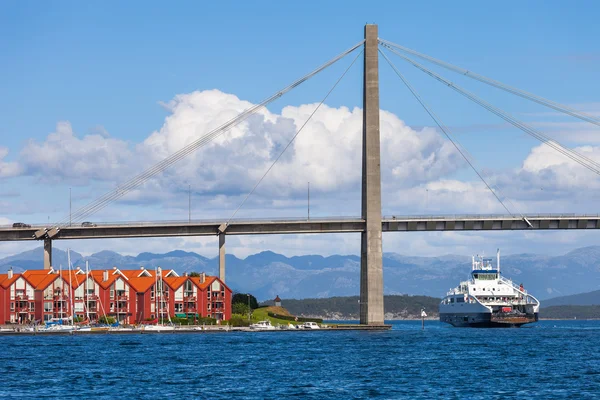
(240, 308)
(243, 299)
(194, 274)
(106, 320)
(238, 320)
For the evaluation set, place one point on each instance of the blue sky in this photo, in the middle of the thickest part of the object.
(107, 69)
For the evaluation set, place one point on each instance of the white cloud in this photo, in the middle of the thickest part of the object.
(417, 166)
(64, 156)
(327, 152)
(8, 169)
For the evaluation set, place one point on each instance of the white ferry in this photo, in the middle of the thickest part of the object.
(488, 299)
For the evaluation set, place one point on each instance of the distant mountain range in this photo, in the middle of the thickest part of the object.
(581, 299)
(268, 274)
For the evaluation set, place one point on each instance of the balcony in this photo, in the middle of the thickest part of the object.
(21, 296)
(191, 299)
(218, 299)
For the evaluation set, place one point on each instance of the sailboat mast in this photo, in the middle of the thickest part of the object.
(71, 292)
(86, 294)
(62, 292)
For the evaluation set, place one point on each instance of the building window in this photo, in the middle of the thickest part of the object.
(208, 293)
(12, 306)
(31, 306)
(112, 293)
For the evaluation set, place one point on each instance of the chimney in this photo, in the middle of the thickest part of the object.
(202, 277)
(142, 267)
(104, 276)
(10, 273)
(185, 274)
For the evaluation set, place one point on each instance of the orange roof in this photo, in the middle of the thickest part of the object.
(98, 276)
(207, 281)
(175, 282)
(142, 284)
(40, 279)
(5, 282)
(77, 279)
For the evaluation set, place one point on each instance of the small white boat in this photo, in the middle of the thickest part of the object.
(157, 328)
(310, 325)
(263, 326)
(58, 328)
(291, 326)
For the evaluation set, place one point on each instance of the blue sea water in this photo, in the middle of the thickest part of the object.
(546, 360)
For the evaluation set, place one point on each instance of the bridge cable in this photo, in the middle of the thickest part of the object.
(572, 154)
(295, 136)
(445, 130)
(123, 189)
(518, 92)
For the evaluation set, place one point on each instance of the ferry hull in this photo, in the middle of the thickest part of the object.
(486, 320)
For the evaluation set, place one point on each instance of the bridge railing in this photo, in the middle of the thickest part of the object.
(485, 216)
(194, 221)
(388, 218)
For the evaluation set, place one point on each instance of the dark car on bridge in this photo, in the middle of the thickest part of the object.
(21, 225)
(88, 224)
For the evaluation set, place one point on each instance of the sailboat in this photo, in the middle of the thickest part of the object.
(158, 302)
(59, 326)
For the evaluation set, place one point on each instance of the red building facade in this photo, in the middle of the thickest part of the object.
(128, 296)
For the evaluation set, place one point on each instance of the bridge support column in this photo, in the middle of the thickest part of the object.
(222, 257)
(47, 253)
(371, 262)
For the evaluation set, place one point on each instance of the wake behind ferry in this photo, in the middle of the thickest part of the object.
(488, 299)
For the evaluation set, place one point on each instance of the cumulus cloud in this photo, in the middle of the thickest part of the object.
(545, 173)
(327, 152)
(8, 169)
(417, 165)
(64, 156)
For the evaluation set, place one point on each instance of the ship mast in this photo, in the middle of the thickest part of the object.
(498, 261)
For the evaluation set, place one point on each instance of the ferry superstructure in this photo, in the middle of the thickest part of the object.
(488, 299)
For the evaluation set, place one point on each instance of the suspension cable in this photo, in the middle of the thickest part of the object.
(444, 129)
(123, 189)
(295, 136)
(572, 154)
(526, 95)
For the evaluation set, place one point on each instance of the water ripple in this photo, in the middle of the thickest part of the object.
(547, 360)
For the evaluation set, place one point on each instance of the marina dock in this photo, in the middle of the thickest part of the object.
(188, 330)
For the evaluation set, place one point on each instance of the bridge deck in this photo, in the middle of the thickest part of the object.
(320, 225)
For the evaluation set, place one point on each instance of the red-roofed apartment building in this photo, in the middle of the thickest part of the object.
(130, 296)
(52, 293)
(16, 294)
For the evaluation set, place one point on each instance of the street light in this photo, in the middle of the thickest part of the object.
(249, 309)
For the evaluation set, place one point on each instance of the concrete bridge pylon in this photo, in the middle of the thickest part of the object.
(371, 260)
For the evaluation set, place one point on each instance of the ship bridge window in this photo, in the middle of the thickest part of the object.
(452, 300)
(485, 277)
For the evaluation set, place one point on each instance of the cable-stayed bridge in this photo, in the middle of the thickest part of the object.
(370, 224)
